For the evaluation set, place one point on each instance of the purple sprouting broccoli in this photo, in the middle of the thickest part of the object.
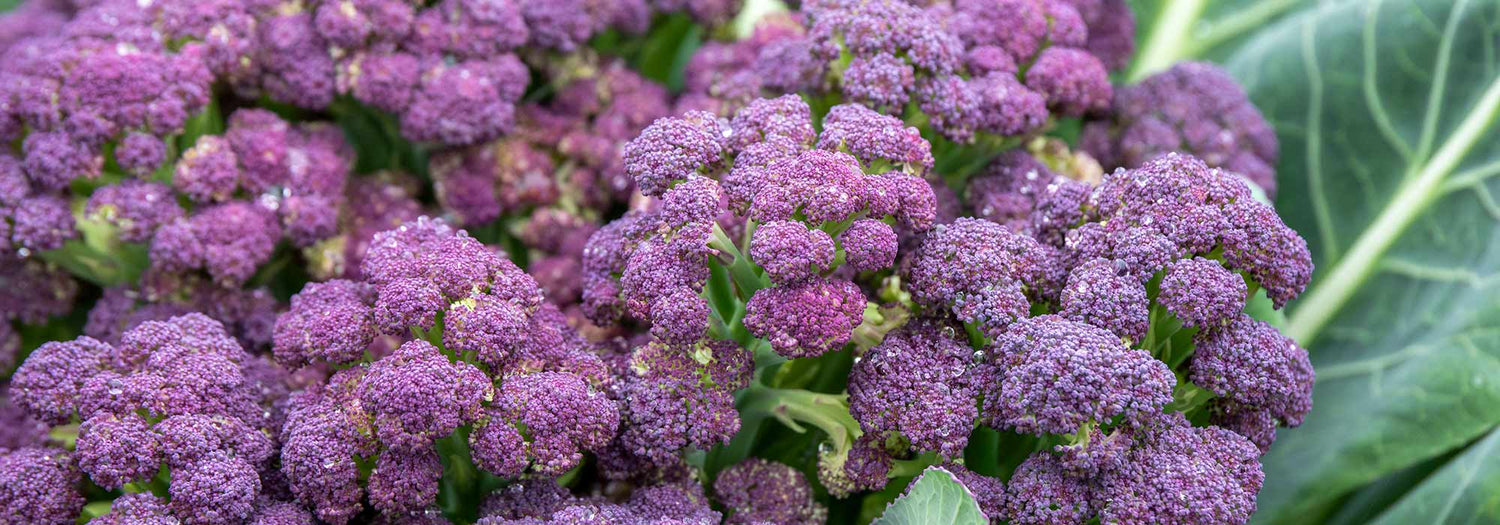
(1073, 80)
(17, 428)
(115, 449)
(532, 502)
(40, 223)
(1111, 30)
(1008, 190)
(373, 204)
(561, 413)
(889, 43)
(102, 76)
(1175, 206)
(1183, 475)
(136, 207)
(140, 507)
(921, 384)
(272, 512)
(789, 252)
(882, 81)
(1044, 38)
(979, 271)
(675, 397)
(879, 141)
(762, 119)
(50, 382)
(465, 103)
(706, 12)
(330, 321)
(988, 492)
(869, 245)
(1253, 368)
(670, 148)
(208, 171)
(1097, 294)
(248, 314)
(1202, 293)
(40, 485)
(228, 241)
(808, 318)
(415, 396)
(1194, 108)
(484, 362)
(761, 491)
(177, 397)
(505, 177)
(529, 498)
(215, 488)
(324, 436)
(1056, 376)
(405, 481)
(34, 290)
(1042, 491)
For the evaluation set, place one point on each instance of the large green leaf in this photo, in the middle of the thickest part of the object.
(936, 498)
(1387, 117)
(1170, 31)
(1467, 490)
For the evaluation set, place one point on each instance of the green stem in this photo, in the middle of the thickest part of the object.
(1170, 35)
(460, 489)
(911, 467)
(795, 408)
(93, 510)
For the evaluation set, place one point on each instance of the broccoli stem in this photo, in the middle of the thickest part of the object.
(795, 408)
(461, 487)
(747, 279)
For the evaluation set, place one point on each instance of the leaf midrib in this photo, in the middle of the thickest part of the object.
(1410, 200)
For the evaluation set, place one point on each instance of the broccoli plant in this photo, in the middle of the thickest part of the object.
(679, 261)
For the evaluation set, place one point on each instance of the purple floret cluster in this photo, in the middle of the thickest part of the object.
(968, 67)
(1193, 108)
(454, 262)
(177, 399)
(764, 176)
(485, 364)
(566, 154)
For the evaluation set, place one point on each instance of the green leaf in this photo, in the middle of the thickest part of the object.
(1467, 490)
(1170, 31)
(1387, 116)
(935, 498)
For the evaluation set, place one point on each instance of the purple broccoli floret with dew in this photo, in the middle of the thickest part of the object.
(1249, 364)
(1043, 491)
(671, 148)
(919, 383)
(762, 491)
(1187, 475)
(137, 208)
(115, 450)
(808, 318)
(790, 252)
(39, 485)
(1201, 292)
(978, 270)
(405, 481)
(416, 396)
(1193, 108)
(873, 137)
(1099, 295)
(869, 245)
(1174, 206)
(1058, 375)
